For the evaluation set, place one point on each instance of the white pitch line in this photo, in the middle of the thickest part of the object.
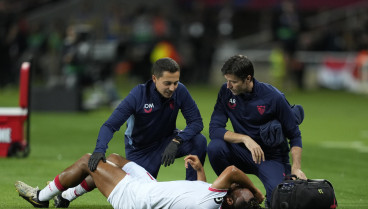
(356, 145)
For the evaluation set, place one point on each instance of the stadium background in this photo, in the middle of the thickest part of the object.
(116, 45)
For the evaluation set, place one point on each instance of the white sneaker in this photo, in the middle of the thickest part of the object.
(30, 194)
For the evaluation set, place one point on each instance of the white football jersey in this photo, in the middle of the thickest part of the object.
(185, 195)
(135, 192)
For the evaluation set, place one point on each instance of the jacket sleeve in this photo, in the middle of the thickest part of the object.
(219, 118)
(289, 124)
(115, 121)
(190, 111)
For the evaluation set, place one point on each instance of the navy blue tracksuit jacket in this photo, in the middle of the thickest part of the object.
(151, 123)
(247, 113)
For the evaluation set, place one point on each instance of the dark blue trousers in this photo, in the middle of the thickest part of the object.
(150, 157)
(271, 172)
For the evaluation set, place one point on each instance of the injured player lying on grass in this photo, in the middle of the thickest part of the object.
(127, 185)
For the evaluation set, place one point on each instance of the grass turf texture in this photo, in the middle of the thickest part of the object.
(335, 140)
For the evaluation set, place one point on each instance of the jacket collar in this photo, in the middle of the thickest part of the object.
(252, 94)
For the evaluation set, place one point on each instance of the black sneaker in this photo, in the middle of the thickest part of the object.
(30, 194)
(60, 202)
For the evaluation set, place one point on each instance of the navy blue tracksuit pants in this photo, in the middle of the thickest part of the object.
(271, 172)
(150, 157)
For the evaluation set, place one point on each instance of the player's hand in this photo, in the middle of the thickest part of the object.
(168, 157)
(255, 149)
(94, 159)
(194, 161)
(299, 173)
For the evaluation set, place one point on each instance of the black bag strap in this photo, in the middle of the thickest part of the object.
(320, 180)
(291, 176)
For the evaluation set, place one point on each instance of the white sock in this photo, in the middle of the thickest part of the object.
(48, 192)
(72, 193)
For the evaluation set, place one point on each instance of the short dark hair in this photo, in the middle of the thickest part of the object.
(250, 204)
(164, 64)
(238, 65)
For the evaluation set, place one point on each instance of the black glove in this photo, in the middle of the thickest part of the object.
(170, 153)
(94, 159)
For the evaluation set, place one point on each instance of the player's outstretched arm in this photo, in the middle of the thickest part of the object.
(194, 161)
(233, 175)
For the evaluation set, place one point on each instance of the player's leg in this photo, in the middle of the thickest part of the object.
(272, 173)
(195, 146)
(105, 177)
(63, 200)
(116, 159)
(39, 198)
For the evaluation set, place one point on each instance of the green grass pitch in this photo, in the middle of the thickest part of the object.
(334, 132)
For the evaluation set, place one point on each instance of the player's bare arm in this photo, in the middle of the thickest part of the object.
(253, 147)
(196, 164)
(296, 155)
(233, 175)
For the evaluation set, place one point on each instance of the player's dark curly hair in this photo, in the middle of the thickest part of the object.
(251, 204)
(238, 65)
(164, 64)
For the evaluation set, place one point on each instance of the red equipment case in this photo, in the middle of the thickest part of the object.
(14, 121)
